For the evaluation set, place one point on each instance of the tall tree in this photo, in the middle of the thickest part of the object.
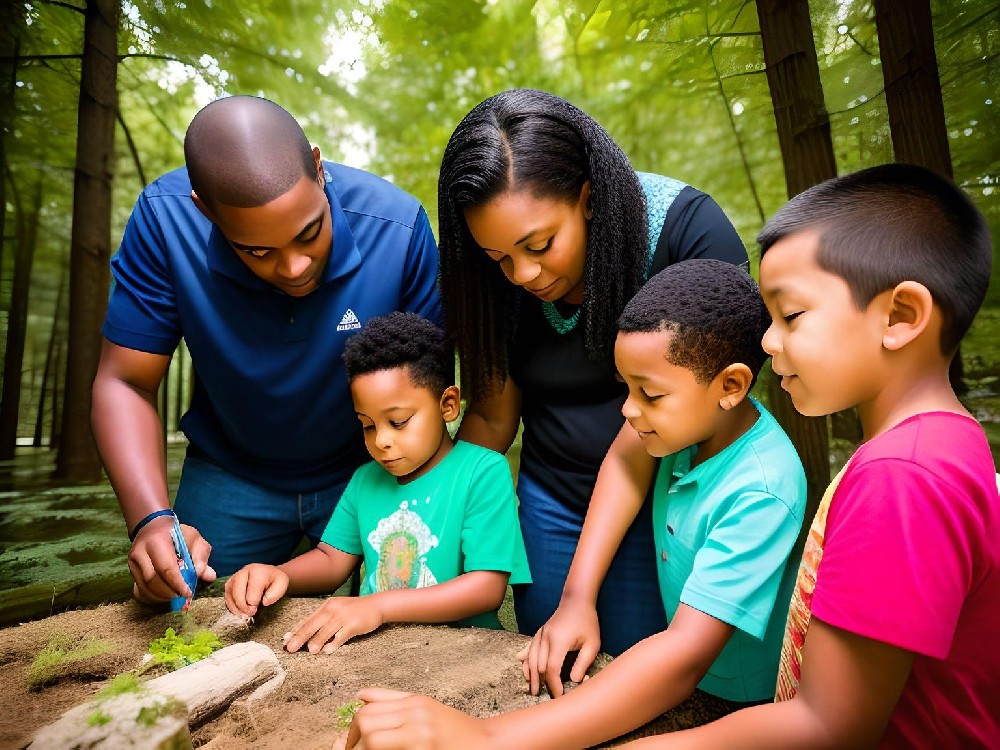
(17, 323)
(807, 153)
(90, 244)
(913, 96)
(912, 85)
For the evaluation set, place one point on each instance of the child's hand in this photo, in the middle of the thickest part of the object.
(392, 720)
(338, 619)
(572, 627)
(255, 585)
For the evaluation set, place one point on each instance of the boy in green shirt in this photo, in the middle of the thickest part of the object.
(435, 521)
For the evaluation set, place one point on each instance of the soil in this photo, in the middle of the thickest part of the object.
(471, 669)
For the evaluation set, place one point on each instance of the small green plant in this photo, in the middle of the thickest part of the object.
(149, 715)
(345, 713)
(98, 718)
(60, 651)
(176, 651)
(119, 685)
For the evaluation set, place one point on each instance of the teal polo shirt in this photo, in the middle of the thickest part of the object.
(723, 531)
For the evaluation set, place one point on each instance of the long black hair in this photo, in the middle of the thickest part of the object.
(532, 140)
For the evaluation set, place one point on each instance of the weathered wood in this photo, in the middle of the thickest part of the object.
(187, 697)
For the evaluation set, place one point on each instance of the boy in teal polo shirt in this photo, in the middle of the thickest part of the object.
(729, 497)
(435, 521)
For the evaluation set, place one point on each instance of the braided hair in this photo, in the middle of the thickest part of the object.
(531, 140)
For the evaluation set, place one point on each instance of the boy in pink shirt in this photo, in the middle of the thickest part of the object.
(871, 280)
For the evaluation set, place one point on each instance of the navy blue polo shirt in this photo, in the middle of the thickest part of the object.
(270, 401)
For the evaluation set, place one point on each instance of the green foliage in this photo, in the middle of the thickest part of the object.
(120, 685)
(98, 718)
(60, 652)
(176, 651)
(149, 715)
(345, 713)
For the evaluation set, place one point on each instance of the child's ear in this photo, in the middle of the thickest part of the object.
(734, 382)
(910, 309)
(451, 403)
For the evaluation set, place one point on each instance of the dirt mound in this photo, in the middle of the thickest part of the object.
(471, 669)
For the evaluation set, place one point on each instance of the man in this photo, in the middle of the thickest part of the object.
(265, 259)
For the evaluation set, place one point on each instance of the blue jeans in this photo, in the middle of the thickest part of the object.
(629, 607)
(245, 522)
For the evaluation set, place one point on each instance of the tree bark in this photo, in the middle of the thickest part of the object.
(90, 246)
(807, 153)
(17, 327)
(50, 360)
(913, 97)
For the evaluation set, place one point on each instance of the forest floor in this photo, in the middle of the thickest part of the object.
(471, 669)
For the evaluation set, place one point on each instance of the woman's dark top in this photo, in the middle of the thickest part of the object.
(572, 404)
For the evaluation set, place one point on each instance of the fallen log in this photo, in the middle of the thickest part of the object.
(160, 714)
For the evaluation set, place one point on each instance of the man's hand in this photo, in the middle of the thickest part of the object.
(572, 627)
(153, 561)
(254, 585)
(392, 720)
(338, 619)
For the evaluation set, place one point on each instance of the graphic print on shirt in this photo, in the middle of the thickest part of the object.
(402, 541)
(349, 322)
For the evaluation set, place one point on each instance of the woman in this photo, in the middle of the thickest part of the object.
(546, 232)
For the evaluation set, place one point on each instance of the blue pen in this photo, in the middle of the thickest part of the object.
(190, 575)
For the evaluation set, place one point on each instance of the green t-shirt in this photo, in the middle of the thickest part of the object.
(458, 517)
(724, 531)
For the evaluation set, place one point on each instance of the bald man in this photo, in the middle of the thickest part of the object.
(264, 259)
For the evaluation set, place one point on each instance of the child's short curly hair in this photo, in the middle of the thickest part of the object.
(402, 339)
(714, 311)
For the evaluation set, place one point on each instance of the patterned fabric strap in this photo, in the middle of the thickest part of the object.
(660, 195)
(800, 609)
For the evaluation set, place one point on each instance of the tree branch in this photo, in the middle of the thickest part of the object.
(132, 148)
(60, 4)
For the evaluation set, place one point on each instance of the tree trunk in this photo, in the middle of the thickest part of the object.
(11, 24)
(50, 359)
(90, 246)
(17, 327)
(807, 152)
(913, 96)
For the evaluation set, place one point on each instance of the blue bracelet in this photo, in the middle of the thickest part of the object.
(155, 514)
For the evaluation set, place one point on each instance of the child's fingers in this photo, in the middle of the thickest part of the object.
(553, 673)
(522, 655)
(275, 590)
(257, 581)
(585, 657)
(302, 633)
(341, 637)
(379, 695)
(327, 635)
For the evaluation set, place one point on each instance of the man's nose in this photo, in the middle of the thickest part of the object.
(291, 264)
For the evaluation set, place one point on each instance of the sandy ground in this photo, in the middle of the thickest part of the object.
(471, 669)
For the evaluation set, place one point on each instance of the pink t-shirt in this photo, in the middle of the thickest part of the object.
(912, 558)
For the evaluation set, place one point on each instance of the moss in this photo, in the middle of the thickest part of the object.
(98, 719)
(61, 651)
(123, 683)
(176, 651)
(345, 713)
(149, 715)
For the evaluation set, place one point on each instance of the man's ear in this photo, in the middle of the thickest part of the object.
(734, 383)
(451, 403)
(205, 210)
(319, 166)
(911, 307)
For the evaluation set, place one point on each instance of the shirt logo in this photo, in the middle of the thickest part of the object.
(349, 322)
